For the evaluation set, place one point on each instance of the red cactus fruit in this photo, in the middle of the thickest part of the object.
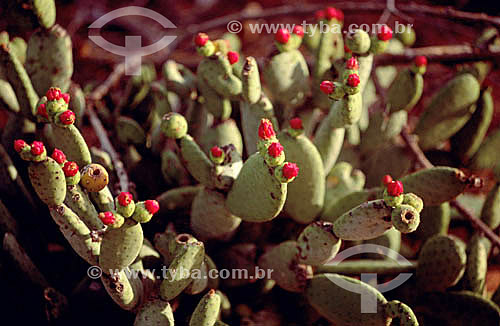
(275, 149)
(125, 198)
(420, 61)
(65, 97)
(320, 14)
(395, 188)
(298, 30)
(70, 169)
(352, 64)
(290, 170)
(42, 111)
(233, 57)
(19, 144)
(334, 13)
(327, 87)
(53, 94)
(152, 206)
(353, 80)
(37, 148)
(216, 151)
(67, 117)
(107, 218)
(296, 123)
(385, 33)
(386, 179)
(266, 130)
(282, 36)
(58, 156)
(346, 49)
(201, 39)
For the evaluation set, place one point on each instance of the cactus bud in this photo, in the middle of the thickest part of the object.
(282, 36)
(296, 123)
(266, 130)
(65, 97)
(217, 155)
(387, 179)
(327, 87)
(385, 33)
(42, 111)
(144, 211)
(37, 148)
(201, 39)
(275, 155)
(67, 117)
(420, 61)
(125, 204)
(352, 63)
(233, 57)
(174, 125)
(53, 94)
(287, 172)
(19, 145)
(298, 30)
(94, 177)
(58, 156)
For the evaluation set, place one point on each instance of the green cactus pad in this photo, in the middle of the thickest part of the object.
(468, 140)
(441, 263)
(210, 219)
(485, 157)
(252, 89)
(103, 200)
(121, 246)
(490, 213)
(18, 46)
(129, 131)
(474, 278)
(71, 142)
(171, 168)
(250, 121)
(177, 198)
(405, 218)
(405, 91)
(364, 222)
(174, 125)
(317, 243)
(396, 309)
(306, 194)
(8, 99)
(47, 178)
(200, 280)
(179, 79)
(217, 72)
(358, 41)
(341, 306)
(197, 162)
(436, 185)
(365, 63)
(20, 81)
(49, 59)
(341, 181)
(45, 11)
(459, 309)
(207, 310)
(79, 202)
(449, 110)
(77, 102)
(287, 77)
(155, 313)
(288, 273)
(392, 240)
(407, 36)
(221, 134)
(434, 220)
(76, 232)
(214, 103)
(347, 111)
(329, 142)
(350, 201)
(256, 195)
(186, 261)
(125, 292)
